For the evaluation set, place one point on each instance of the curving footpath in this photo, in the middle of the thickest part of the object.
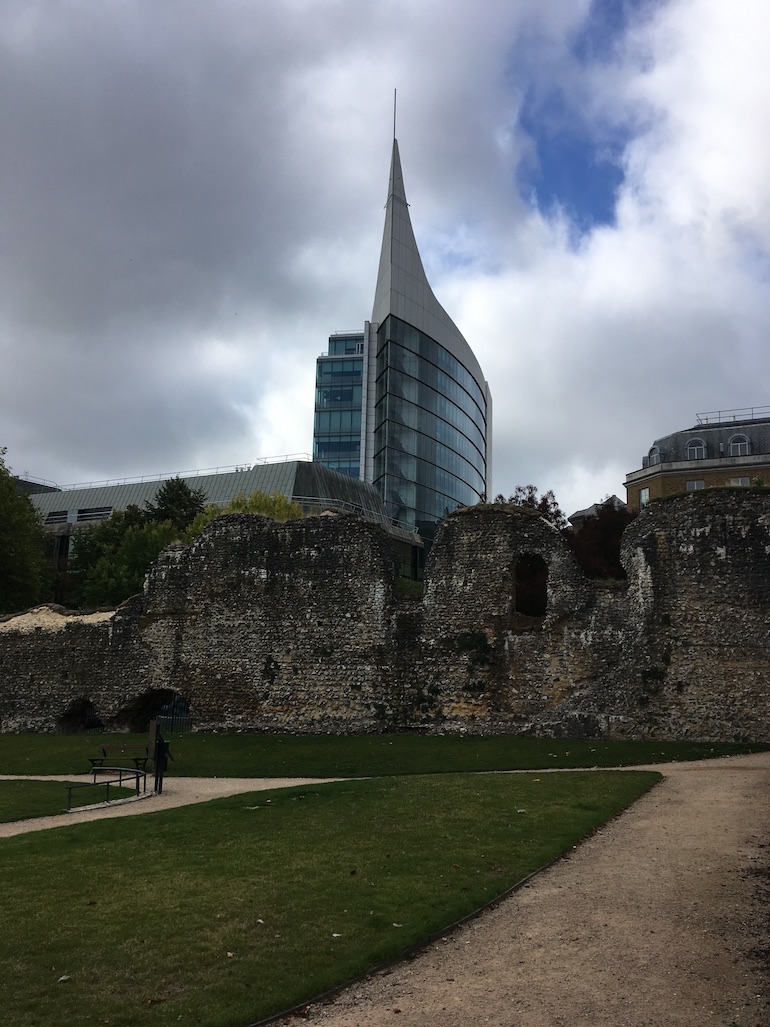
(661, 919)
(177, 791)
(652, 922)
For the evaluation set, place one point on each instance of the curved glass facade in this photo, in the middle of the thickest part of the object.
(430, 427)
(411, 386)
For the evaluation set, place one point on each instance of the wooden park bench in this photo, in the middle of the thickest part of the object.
(137, 754)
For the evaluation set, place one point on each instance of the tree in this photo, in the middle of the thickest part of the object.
(596, 544)
(546, 505)
(91, 546)
(175, 501)
(110, 559)
(21, 546)
(276, 506)
(120, 571)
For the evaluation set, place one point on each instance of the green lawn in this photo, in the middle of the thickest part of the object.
(20, 800)
(223, 913)
(244, 755)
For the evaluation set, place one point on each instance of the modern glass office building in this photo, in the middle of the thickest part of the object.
(338, 384)
(424, 406)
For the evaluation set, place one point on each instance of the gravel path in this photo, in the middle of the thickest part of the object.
(650, 923)
(661, 919)
(177, 791)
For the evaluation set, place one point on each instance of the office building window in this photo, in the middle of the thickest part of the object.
(654, 456)
(742, 481)
(644, 498)
(694, 486)
(94, 513)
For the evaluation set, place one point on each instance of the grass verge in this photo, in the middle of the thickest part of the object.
(247, 755)
(21, 800)
(223, 913)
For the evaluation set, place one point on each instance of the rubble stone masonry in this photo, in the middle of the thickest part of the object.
(299, 627)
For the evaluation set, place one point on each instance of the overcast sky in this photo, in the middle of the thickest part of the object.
(193, 198)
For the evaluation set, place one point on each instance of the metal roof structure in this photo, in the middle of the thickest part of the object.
(311, 485)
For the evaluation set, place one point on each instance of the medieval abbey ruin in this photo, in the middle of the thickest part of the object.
(299, 627)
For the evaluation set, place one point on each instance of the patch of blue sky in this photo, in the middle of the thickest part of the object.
(752, 257)
(575, 168)
(606, 25)
(572, 172)
(447, 252)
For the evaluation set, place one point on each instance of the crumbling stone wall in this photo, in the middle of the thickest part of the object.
(297, 627)
(276, 626)
(488, 665)
(700, 571)
(44, 652)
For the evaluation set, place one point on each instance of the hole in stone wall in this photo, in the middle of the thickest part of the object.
(531, 586)
(175, 717)
(136, 716)
(79, 717)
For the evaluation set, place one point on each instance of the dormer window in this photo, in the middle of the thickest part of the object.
(739, 446)
(696, 449)
(654, 456)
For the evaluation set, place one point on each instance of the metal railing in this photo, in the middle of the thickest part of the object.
(197, 473)
(175, 723)
(727, 416)
(38, 481)
(343, 506)
(122, 772)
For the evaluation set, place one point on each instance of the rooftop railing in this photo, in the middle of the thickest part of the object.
(38, 481)
(342, 506)
(198, 473)
(727, 416)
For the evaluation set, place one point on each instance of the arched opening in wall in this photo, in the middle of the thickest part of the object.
(174, 717)
(79, 717)
(530, 598)
(136, 716)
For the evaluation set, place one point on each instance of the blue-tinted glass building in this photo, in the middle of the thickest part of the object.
(423, 405)
(338, 385)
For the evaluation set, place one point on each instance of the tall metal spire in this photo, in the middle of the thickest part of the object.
(419, 490)
(402, 285)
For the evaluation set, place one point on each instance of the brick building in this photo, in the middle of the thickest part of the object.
(724, 448)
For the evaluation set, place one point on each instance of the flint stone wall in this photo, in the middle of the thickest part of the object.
(297, 627)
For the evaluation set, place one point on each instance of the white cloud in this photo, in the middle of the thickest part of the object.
(194, 200)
